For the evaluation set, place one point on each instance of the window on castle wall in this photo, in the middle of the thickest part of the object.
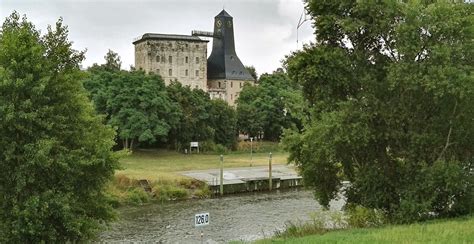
(219, 83)
(158, 59)
(197, 73)
(197, 87)
(197, 46)
(186, 45)
(157, 71)
(197, 60)
(240, 84)
(231, 96)
(170, 59)
(170, 72)
(186, 72)
(186, 59)
(231, 84)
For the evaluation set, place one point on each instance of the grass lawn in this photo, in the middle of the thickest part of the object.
(154, 164)
(459, 230)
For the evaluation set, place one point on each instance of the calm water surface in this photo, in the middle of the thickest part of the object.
(238, 217)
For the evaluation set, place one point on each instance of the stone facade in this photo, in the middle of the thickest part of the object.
(173, 57)
(228, 90)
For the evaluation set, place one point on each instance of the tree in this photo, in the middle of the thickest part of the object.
(390, 89)
(140, 108)
(112, 61)
(135, 103)
(56, 153)
(252, 71)
(224, 122)
(264, 108)
(194, 122)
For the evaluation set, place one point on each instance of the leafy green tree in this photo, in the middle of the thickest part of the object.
(224, 122)
(194, 122)
(264, 108)
(135, 103)
(56, 153)
(112, 61)
(252, 71)
(390, 89)
(140, 108)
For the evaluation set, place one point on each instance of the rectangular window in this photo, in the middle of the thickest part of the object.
(186, 72)
(157, 59)
(197, 60)
(219, 84)
(197, 73)
(231, 84)
(186, 59)
(170, 72)
(170, 59)
(240, 84)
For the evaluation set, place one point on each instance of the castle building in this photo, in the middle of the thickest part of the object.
(173, 57)
(184, 58)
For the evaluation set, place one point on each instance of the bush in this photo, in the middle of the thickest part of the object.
(137, 196)
(169, 192)
(361, 217)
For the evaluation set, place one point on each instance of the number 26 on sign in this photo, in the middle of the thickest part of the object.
(201, 219)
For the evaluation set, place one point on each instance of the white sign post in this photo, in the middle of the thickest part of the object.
(192, 145)
(201, 219)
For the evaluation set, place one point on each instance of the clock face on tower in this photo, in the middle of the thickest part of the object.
(219, 23)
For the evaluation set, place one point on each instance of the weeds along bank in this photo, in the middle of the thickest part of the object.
(123, 190)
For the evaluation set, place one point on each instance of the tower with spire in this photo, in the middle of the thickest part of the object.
(225, 72)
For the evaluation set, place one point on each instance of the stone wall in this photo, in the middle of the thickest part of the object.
(185, 61)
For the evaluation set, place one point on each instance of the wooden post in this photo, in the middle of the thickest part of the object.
(270, 172)
(222, 176)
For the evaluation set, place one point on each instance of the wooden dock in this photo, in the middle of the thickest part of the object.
(248, 179)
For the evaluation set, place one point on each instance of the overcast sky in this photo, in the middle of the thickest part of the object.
(265, 30)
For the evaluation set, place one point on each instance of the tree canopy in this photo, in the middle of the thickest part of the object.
(390, 89)
(264, 109)
(135, 103)
(56, 153)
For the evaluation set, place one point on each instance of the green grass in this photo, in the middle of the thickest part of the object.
(161, 168)
(459, 230)
(158, 164)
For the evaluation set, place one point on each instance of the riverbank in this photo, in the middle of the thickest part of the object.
(459, 230)
(154, 175)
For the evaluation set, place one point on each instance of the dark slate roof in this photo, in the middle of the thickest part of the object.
(156, 36)
(223, 63)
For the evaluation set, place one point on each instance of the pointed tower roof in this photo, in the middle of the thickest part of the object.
(224, 13)
(223, 63)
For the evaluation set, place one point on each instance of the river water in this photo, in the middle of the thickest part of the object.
(243, 217)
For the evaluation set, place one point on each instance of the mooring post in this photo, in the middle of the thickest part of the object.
(222, 175)
(270, 172)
